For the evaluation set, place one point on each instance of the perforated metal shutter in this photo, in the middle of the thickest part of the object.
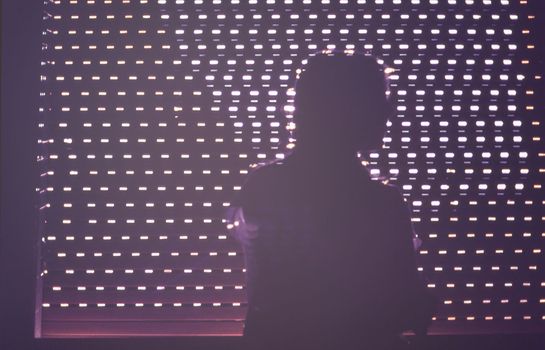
(152, 112)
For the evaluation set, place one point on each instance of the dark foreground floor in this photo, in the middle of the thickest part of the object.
(481, 342)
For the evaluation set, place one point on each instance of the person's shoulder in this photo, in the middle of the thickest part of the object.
(264, 183)
(384, 187)
(266, 173)
(386, 193)
(392, 190)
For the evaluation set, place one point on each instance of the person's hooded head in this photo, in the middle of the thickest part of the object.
(341, 103)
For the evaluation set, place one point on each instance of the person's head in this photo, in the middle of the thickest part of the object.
(341, 103)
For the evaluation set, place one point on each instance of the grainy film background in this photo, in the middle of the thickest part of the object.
(153, 110)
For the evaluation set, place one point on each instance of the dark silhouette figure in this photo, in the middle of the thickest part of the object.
(329, 252)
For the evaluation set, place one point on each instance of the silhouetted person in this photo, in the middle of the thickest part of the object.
(329, 253)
